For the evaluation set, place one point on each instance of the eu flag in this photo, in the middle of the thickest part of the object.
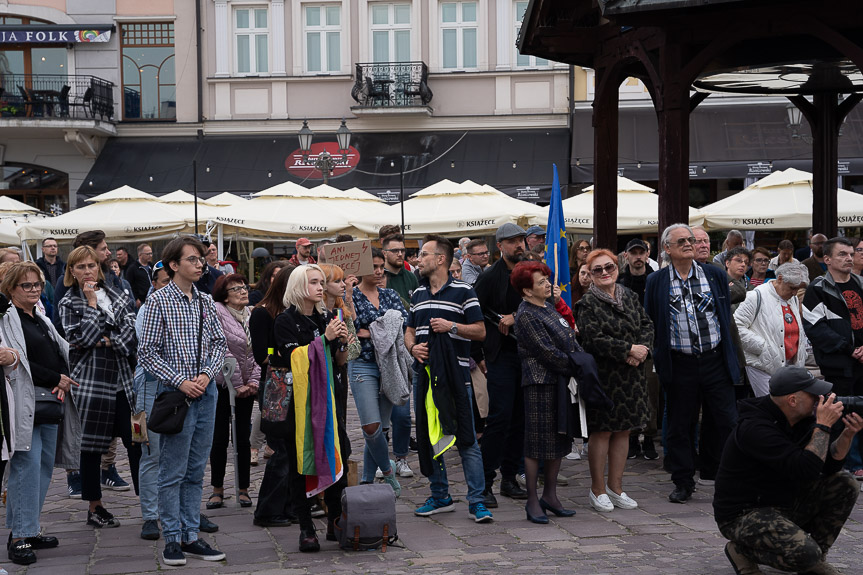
(556, 252)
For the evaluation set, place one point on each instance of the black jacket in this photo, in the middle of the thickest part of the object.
(450, 397)
(827, 323)
(491, 291)
(138, 277)
(765, 463)
(636, 283)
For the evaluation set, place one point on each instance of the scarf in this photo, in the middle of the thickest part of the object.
(242, 316)
(616, 301)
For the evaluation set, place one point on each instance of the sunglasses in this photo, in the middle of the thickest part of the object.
(683, 241)
(396, 250)
(607, 268)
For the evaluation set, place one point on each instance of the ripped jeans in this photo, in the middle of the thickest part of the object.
(372, 407)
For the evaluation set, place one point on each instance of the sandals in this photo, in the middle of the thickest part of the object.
(244, 499)
(215, 500)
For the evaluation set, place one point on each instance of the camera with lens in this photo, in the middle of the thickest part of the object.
(851, 404)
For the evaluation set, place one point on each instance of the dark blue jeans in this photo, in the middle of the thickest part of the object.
(697, 380)
(503, 437)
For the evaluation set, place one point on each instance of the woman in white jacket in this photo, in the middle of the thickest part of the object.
(771, 332)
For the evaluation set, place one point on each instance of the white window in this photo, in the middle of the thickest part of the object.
(391, 32)
(323, 31)
(251, 41)
(521, 60)
(458, 35)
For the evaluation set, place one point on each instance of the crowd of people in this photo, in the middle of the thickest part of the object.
(701, 352)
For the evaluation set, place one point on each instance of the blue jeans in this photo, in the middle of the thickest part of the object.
(372, 407)
(471, 461)
(400, 420)
(181, 470)
(29, 477)
(148, 472)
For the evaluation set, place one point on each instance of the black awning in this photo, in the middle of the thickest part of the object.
(725, 141)
(518, 162)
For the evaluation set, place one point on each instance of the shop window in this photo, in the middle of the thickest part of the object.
(36, 186)
(149, 87)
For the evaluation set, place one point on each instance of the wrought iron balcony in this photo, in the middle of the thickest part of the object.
(55, 96)
(392, 84)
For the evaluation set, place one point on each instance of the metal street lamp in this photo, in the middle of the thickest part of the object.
(325, 163)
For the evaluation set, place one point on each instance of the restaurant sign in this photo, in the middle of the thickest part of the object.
(305, 168)
(54, 34)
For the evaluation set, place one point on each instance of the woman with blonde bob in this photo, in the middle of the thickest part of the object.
(100, 329)
(304, 319)
(31, 335)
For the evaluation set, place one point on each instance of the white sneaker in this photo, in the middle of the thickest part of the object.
(403, 469)
(623, 500)
(574, 455)
(379, 474)
(602, 503)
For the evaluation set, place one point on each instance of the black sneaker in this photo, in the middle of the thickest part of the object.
(489, 499)
(101, 518)
(648, 450)
(73, 482)
(412, 444)
(112, 480)
(634, 447)
(43, 542)
(150, 530)
(173, 555)
(206, 525)
(200, 549)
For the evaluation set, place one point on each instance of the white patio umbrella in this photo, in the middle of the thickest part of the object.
(226, 199)
(289, 210)
(637, 209)
(780, 201)
(125, 214)
(12, 206)
(449, 208)
(184, 203)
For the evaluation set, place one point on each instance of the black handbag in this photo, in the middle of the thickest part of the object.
(168, 413)
(49, 409)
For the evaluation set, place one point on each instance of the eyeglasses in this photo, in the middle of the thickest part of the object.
(148, 254)
(424, 254)
(238, 289)
(195, 260)
(30, 286)
(761, 261)
(858, 250)
(683, 241)
(480, 254)
(583, 248)
(396, 250)
(607, 268)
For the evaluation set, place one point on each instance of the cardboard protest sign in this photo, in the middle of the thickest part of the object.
(353, 257)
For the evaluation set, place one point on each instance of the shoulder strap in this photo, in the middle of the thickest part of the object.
(757, 305)
(200, 333)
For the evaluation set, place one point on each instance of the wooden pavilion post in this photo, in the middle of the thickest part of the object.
(605, 130)
(673, 117)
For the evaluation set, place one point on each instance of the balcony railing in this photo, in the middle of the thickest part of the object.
(392, 84)
(55, 96)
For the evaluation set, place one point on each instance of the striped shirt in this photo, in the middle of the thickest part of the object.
(694, 323)
(168, 346)
(455, 302)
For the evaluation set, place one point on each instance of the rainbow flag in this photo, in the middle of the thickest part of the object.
(319, 455)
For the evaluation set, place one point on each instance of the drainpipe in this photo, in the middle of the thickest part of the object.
(570, 111)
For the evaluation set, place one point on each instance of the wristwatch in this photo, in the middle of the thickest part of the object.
(454, 328)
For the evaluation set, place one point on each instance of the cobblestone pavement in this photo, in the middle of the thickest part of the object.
(657, 538)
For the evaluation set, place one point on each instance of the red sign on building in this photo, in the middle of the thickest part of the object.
(305, 169)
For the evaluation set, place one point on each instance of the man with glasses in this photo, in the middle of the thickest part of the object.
(734, 239)
(404, 283)
(138, 273)
(503, 436)
(183, 346)
(51, 264)
(815, 263)
(694, 355)
(476, 261)
(448, 309)
(833, 322)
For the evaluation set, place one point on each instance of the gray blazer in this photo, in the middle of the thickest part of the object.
(21, 381)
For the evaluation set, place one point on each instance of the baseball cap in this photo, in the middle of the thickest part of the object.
(534, 231)
(636, 243)
(304, 242)
(507, 231)
(791, 379)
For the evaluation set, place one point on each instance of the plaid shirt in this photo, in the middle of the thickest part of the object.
(694, 324)
(168, 345)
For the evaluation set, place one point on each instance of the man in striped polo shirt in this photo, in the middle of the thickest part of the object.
(447, 307)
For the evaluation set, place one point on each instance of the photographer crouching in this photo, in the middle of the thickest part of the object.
(781, 495)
